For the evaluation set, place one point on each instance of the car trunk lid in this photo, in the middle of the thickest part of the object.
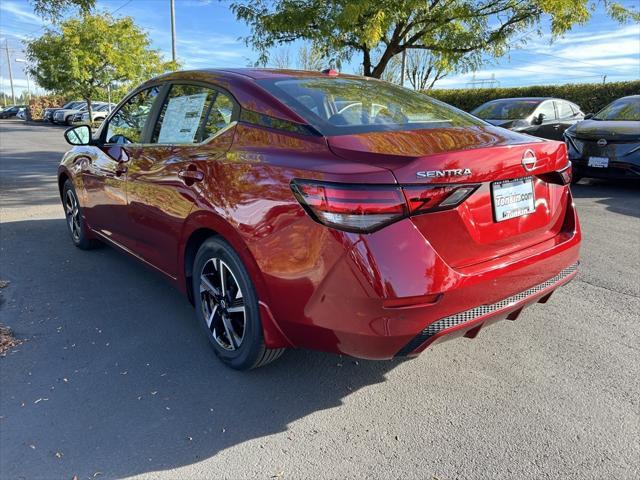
(469, 234)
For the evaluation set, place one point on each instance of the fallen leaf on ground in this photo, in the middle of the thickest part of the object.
(7, 340)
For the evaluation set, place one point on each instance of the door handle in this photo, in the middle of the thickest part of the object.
(191, 175)
(556, 127)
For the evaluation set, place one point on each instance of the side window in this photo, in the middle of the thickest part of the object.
(220, 115)
(564, 110)
(576, 110)
(127, 124)
(191, 114)
(547, 109)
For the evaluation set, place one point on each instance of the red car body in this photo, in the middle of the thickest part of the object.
(394, 291)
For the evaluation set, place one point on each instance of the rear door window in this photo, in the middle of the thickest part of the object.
(564, 110)
(192, 114)
(546, 108)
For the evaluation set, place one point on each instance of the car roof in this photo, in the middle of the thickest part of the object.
(268, 73)
(241, 83)
(249, 73)
(540, 99)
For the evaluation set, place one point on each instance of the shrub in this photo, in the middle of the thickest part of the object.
(35, 110)
(591, 97)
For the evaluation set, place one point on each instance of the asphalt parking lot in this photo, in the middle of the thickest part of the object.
(115, 380)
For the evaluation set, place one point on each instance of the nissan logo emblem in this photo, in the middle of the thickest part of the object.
(529, 160)
(602, 142)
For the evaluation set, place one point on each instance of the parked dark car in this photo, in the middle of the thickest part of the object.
(539, 116)
(12, 111)
(607, 144)
(321, 210)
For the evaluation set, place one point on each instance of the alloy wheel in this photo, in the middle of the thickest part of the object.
(223, 304)
(72, 213)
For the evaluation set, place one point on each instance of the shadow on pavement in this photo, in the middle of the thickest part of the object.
(116, 377)
(23, 182)
(617, 196)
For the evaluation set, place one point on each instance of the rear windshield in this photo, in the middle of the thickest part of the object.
(339, 106)
(622, 109)
(506, 109)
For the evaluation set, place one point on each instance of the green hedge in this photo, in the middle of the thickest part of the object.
(591, 97)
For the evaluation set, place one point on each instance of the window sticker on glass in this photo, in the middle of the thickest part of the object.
(182, 119)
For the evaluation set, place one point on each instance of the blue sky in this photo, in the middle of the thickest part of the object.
(209, 36)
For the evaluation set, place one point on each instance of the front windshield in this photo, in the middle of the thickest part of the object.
(506, 109)
(338, 106)
(621, 109)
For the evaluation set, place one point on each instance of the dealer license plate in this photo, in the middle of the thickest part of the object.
(512, 198)
(598, 162)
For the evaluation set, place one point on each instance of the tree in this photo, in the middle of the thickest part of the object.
(53, 9)
(85, 55)
(453, 31)
(311, 58)
(281, 59)
(423, 70)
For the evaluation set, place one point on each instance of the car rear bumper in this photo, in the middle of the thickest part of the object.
(470, 321)
(615, 171)
(378, 300)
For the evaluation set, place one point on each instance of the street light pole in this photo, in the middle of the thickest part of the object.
(13, 95)
(173, 30)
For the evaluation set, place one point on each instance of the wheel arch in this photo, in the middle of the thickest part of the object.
(202, 225)
(63, 176)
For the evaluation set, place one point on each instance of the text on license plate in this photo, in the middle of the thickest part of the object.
(512, 198)
(598, 162)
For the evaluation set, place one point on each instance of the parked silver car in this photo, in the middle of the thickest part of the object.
(49, 112)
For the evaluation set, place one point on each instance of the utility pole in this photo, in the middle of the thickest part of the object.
(13, 95)
(604, 79)
(26, 74)
(173, 30)
(404, 64)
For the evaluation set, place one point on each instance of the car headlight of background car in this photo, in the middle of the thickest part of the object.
(574, 145)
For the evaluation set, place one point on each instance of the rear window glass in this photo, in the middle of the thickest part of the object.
(506, 109)
(622, 109)
(338, 106)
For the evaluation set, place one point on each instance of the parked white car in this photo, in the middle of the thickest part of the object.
(99, 114)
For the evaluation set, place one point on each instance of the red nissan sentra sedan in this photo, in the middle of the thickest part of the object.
(325, 211)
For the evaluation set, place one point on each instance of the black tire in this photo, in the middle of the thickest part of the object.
(75, 219)
(217, 307)
(69, 120)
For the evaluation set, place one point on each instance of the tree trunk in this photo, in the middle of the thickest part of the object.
(382, 64)
(366, 62)
(90, 110)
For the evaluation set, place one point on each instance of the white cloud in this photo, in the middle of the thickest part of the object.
(575, 57)
(18, 11)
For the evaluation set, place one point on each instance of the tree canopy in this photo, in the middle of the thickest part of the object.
(452, 31)
(82, 56)
(53, 9)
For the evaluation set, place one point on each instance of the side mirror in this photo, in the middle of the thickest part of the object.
(538, 119)
(588, 116)
(80, 135)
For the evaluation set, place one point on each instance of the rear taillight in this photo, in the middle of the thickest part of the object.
(558, 177)
(352, 208)
(427, 198)
(367, 208)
